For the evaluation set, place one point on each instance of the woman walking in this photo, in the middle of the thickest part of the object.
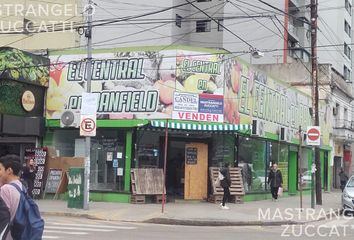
(275, 180)
(225, 184)
(29, 175)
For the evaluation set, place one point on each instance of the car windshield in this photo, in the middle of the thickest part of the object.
(351, 182)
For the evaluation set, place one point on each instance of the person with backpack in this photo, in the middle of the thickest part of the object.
(26, 223)
(225, 183)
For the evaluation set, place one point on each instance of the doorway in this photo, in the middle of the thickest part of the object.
(187, 170)
(337, 164)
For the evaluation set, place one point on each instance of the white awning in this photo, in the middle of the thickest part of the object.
(173, 124)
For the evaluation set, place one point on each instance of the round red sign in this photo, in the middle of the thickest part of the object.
(313, 134)
(88, 125)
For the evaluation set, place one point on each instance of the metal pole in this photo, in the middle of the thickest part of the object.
(88, 34)
(299, 155)
(315, 97)
(164, 169)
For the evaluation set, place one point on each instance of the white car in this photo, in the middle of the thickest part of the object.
(348, 196)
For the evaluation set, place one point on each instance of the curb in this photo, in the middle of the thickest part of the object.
(218, 223)
(77, 215)
(195, 222)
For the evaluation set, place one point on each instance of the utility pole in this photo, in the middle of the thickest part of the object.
(315, 97)
(88, 35)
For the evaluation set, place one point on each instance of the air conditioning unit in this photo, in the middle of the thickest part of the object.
(284, 134)
(258, 128)
(70, 118)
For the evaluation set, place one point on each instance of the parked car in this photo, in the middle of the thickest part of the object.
(348, 196)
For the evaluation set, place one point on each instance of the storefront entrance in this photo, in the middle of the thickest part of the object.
(196, 171)
(187, 170)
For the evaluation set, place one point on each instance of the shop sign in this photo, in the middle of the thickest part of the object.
(134, 85)
(16, 65)
(313, 136)
(191, 156)
(88, 125)
(198, 107)
(28, 101)
(76, 188)
(39, 155)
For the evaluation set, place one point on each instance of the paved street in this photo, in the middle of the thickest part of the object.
(81, 228)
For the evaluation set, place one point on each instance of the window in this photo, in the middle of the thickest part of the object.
(347, 73)
(348, 6)
(178, 20)
(203, 0)
(347, 28)
(27, 26)
(347, 51)
(203, 26)
(220, 25)
(252, 160)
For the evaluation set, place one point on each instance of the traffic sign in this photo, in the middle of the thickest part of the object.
(313, 136)
(88, 125)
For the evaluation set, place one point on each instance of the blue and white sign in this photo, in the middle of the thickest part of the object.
(115, 163)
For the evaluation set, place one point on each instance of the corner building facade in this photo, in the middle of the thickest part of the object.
(215, 107)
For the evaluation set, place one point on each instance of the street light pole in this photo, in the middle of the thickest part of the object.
(315, 97)
(88, 34)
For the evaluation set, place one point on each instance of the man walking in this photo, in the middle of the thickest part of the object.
(343, 179)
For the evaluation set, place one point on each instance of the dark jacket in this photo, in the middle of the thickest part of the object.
(343, 177)
(226, 182)
(275, 179)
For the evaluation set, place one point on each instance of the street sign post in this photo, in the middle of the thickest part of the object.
(88, 125)
(313, 137)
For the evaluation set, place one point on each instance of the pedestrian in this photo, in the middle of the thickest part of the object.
(343, 179)
(225, 183)
(10, 168)
(275, 180)
(29, 175)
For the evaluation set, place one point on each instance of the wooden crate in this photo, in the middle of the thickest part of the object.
(218, 199)
(147, 182)
(158, 198)
(236, 190)
(136, 199)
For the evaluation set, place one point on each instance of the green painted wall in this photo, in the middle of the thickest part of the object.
(322, 168)
(128, 160)
(292, 172)
(109, 197)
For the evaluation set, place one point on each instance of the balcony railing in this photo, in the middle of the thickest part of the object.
(344, 124)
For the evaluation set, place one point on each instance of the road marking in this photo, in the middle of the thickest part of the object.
(50, 237)
(92, 225)
(72, 233)
(80, 229)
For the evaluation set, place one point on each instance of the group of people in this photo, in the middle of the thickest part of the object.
(275, 182)
(13, 173)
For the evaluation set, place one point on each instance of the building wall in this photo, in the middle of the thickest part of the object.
(331, 32)
(42, 15)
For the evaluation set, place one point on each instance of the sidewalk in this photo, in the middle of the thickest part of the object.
(265, 212)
